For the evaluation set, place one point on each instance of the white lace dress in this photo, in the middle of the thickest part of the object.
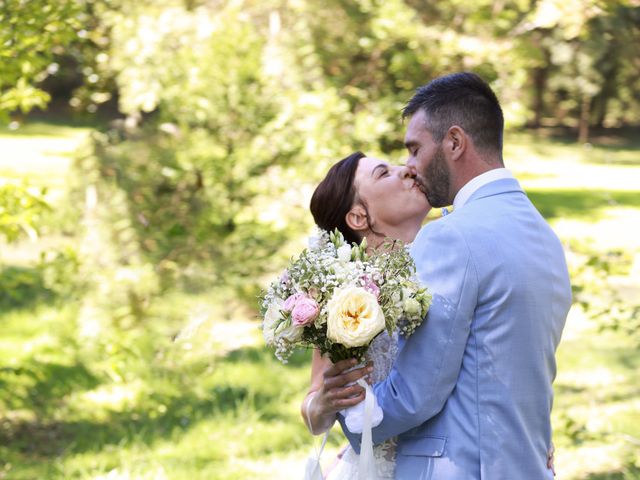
(382, 352)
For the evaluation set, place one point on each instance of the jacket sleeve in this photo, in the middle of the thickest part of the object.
(427, 367)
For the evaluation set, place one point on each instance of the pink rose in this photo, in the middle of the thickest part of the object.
(305, 311)
(290, 302)
(371, 287)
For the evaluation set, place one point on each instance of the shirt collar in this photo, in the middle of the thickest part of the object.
(475, 183)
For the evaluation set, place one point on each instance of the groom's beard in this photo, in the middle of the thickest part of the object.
(436, 181)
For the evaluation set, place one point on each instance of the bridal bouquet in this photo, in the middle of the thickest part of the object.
(336, 298)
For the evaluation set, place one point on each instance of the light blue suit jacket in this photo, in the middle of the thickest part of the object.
(470, 394)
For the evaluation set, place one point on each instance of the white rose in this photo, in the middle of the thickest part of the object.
(411, 306)
(291, 334)
(407, 293)
(271, 318)
(354, 317)
(344, 253)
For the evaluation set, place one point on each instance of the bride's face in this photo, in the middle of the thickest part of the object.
(390, 193)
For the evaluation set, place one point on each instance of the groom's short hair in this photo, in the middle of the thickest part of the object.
(462, 99)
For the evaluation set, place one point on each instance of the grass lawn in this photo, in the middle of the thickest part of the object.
(39, 153)
(192, 393)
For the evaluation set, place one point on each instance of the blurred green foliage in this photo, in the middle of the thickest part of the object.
(21, 211)
(224, 104)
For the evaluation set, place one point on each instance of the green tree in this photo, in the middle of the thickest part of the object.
(30, 35)
(579, 62)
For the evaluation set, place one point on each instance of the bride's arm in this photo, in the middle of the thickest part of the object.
(328, 393)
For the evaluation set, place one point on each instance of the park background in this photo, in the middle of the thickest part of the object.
(156, 162)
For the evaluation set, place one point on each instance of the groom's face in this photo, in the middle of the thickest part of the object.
(427, 158)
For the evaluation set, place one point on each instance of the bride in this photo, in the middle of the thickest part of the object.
(362, 197)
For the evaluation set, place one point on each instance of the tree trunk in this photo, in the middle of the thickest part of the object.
(539, 86)
(585, 112)
(610, 74)
(540, 76)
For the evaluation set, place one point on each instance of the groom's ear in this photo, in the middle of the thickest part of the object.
(456, 142)
(356, 218)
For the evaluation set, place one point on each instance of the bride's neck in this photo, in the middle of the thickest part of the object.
(404, 233)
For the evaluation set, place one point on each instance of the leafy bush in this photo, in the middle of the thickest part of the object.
(21, 209)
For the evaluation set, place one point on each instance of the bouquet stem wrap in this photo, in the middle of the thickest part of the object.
(367, 464)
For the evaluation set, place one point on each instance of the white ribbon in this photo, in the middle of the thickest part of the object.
(367, 464)
(313, 470)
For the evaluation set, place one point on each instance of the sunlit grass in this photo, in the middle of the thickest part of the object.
(542, 164)
(39, 153)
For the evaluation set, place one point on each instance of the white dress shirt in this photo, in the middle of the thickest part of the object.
(475, 183)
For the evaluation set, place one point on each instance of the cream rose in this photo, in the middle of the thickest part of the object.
(354, 317)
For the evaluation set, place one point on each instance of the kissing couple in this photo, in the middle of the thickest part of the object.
(469, 395)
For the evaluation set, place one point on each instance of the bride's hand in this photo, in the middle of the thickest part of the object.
(338, 390)
(334, 391)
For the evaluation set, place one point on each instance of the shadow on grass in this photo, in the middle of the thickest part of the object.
(628, 472)
(612, 155)
(606, 146)
(40, 387)
(54, 123)
(158, 416)
(22, 287)
(580, 203)
(49, 438)
(618, 138)
(563, 389)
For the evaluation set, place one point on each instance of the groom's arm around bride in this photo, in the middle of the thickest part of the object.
(470, 394)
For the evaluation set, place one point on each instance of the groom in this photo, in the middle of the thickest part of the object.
(470, 394)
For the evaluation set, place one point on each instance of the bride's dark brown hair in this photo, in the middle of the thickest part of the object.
(334, 197)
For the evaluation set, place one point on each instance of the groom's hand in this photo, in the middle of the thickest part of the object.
(338, 390)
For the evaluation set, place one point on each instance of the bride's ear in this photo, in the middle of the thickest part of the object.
(356, 218)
